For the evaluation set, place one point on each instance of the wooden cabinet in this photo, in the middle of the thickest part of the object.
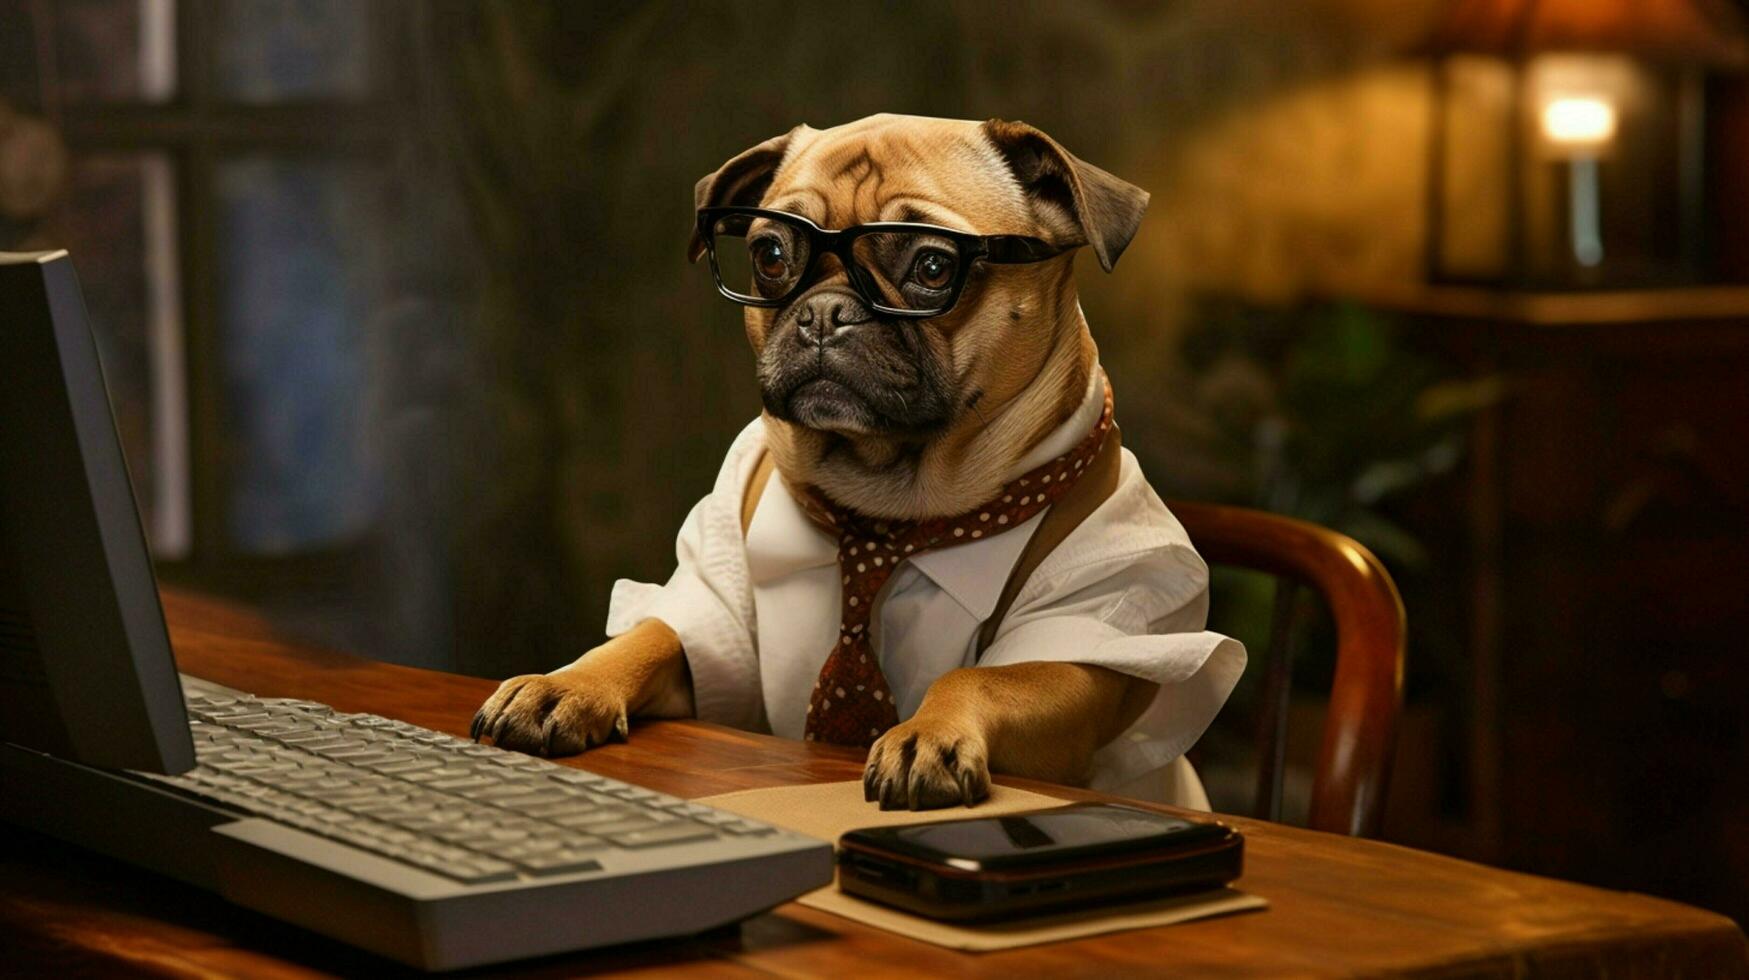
(1608, 540)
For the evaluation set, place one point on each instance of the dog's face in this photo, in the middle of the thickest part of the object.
(829, 363)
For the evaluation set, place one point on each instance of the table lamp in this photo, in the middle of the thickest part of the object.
(1576, 158)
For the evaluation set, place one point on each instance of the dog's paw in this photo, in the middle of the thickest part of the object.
(550, 714)
(923, 766)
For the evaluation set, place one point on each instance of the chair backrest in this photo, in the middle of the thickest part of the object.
(1354, 761)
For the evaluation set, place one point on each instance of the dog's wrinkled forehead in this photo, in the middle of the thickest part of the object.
(990, 178)
(901, 168)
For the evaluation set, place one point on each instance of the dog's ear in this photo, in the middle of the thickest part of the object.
(1107, 210)
(742, 180)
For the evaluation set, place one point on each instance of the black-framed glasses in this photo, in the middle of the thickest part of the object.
(762, 257)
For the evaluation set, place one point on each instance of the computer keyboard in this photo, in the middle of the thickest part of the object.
(472, 813)
(411, 843)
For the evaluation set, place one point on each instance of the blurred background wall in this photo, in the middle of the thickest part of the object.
(405, 350)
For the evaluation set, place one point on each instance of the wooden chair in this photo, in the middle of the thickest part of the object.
(1354, 762)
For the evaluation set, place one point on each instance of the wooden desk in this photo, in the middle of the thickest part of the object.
(1337, 905)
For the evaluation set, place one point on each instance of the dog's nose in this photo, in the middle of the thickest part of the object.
(828, 313)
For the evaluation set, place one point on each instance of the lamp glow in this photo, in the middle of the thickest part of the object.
(1579, 121)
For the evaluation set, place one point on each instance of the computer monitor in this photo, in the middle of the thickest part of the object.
(86, 671)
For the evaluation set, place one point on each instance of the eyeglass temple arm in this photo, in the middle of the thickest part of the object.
(1017, 249)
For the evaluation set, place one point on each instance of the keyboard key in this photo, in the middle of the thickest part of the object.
(633, 794)
(439, 850)
(562, 808)
(242, 768)
(378, 804)
(309, 740)
(577, 777)
(330, 750)
(270, 726)
(515, 797)
(364, 750)
(593, 817)
(389, 758)
(363, 760)
(353, 794)
(480, 870)
(672, 833)
(429, 862)
(411, 765)
(463, 782)
(521, 849)
(233, 719)
(642, 821)
(560, 862)
(460, 837)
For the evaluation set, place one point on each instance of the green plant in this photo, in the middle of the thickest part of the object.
(1326, 414)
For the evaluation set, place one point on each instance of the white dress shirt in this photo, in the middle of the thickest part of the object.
(758, 614)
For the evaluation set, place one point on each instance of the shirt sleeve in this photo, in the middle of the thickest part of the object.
(1139, 608)
(708, 601)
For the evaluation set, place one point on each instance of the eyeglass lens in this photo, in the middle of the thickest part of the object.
(911, 271)
(759, 257)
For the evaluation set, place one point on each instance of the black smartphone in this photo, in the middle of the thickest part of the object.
(1044, 861)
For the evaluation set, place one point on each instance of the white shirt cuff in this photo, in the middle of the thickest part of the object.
(1196, 672)
(719, 653)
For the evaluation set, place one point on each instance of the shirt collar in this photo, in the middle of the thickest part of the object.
(782, 541)
(965, 571)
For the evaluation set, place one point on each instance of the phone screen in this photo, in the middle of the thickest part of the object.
(1040, 836)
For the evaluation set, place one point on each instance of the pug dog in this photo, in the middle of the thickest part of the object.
(887, 401)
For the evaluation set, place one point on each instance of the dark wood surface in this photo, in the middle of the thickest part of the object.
(1601, 605)
(1338, 905)
(1354, 761)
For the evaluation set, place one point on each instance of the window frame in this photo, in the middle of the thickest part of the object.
(199, 130)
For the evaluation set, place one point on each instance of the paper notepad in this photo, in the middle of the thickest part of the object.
(827, 810)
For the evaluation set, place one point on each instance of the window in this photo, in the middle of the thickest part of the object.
(229, 163)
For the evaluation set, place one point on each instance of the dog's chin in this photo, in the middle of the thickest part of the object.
(830, 406)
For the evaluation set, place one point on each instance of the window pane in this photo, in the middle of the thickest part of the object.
(288, 50)
(297, 286)
(112, 50)
(120, 225)
(18, 73)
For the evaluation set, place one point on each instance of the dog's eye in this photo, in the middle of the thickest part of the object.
(770, 259)
(933, 269)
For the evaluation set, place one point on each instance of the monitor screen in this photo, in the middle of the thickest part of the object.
(86, 671)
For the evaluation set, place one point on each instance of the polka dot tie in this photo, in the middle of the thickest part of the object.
(851, 703)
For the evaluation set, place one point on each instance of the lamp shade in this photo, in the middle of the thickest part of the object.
(1692, 32)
